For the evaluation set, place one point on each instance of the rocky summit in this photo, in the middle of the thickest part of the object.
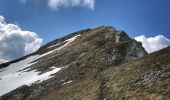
(93, 64)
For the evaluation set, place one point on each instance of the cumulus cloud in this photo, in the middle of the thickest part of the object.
(55, 4)
(15, 43)
(153, 44)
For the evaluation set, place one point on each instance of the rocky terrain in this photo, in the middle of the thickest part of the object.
(92, 64)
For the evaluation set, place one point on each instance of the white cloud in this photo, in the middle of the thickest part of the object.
(153, 44)
(2, 19)
(55, 4)
(14, 42)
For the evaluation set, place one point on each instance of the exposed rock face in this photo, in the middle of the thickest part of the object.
(80, 58)
(126, 52)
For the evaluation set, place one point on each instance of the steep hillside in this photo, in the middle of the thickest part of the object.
(146, 78)
(77, 66)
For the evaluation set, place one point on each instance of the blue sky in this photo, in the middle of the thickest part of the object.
(25, 25)
(137, 17)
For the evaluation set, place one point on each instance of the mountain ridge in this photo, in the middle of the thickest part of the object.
(83, 58)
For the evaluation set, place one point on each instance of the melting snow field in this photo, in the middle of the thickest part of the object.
(67, 42)
(15, 80)
(15, 76)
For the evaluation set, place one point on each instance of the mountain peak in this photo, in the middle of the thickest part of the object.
(78, 56)
(110, 33)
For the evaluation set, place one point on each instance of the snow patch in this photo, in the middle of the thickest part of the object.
(3, 61)
(67, 82)
(53, 45)
(68, 41)
(15, 80)
(15, 67)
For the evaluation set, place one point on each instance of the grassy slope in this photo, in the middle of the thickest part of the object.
(120, 82)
